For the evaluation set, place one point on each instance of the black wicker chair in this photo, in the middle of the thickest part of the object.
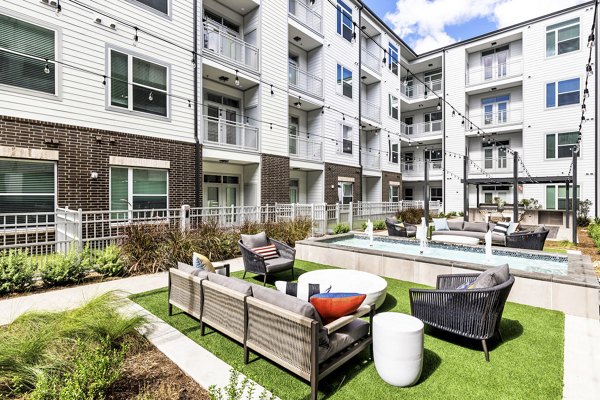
(473, 313)
(257, 264)
(394, 229)
(528, 240)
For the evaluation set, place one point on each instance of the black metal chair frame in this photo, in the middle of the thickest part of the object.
(472, 313)
(255, 263)
(395, 230)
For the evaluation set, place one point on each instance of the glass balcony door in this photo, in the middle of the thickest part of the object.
(293, 135)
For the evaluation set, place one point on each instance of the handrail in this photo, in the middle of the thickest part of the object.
(422, 129)
(304, 148)
(481, 74)
(228, 46)
(230, 133)
(305, 81)
(503, 117)
(371, 60)
(371, 110)
(417, 90)
(309, 17)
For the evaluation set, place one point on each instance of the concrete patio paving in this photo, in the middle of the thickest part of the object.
(582, 336)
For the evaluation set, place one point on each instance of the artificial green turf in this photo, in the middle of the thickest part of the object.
(527, 365)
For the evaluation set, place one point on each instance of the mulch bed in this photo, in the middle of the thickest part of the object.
(147, 374)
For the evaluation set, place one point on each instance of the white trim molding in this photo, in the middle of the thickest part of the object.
(139, 162)
(32, 154)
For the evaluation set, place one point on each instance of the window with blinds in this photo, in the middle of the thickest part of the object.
(24, 49)
(138, 189)
(137, 84)
(158, 5)
(27, 186)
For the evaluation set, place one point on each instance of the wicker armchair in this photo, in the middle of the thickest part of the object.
(255, 263)
(394, 229)
(473, 313)
(528, 240)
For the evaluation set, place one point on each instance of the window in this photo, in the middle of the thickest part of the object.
(221, 23)
(393, 152)
(495, 110)
(393, 59)
(294, 188)
(138, 85)
(344, 81)
(24, 47)
(562, 93)
(435, 194)
(408, 161)
(394, 193)
(495, 63)
(433, 121)
(561, 148)
(346, 139)
(435, 158)
(556, 195)
(138, 189)
(434, 80)
(562, 37)
(408, 193)
(27, 186)
(494, 154)
(344, 20)
(345, 192)
(158, 5)
(393, 106)
(492, 192)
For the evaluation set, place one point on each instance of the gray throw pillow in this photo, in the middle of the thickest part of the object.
(476, 227)
(188, 269)
(258, 240)
(491, 277)
(501, 273)
(455, 225)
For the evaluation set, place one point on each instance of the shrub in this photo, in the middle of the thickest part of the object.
(237, 389)
(461, 213)
(411, 215)
(63, 269)
(16, 271)
(583, 221)
(379, 225)
(594, 233)
(289, 231)
(341, 228)
(108, 262)
(584, 212)
(450, 214)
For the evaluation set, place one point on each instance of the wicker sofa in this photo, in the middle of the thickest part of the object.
(472, 229)
(528, 240)
(473, 313)
(286, 330)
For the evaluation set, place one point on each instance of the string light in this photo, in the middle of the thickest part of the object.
(135, 37)
(272, 92)
(47, 67)
(237, 79)
(151, 96)
(439, 105)
(104, 80)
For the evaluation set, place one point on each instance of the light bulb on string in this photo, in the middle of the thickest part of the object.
(453, 112)
(237, 78)
(591, 40)
(588, 69)
(439, 105)
(47, 67)
(151, 96)
(135, 36)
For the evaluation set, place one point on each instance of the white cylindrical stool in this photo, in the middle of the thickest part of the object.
(398, 348)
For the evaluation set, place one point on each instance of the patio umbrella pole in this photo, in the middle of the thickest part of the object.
(575, 200)
(515, 186)
(426, 194)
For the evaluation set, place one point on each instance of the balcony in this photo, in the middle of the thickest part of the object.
(496, 164)
(416, 169)
(419, 91)
(495, 72)
(305, 82)
(305, 149)
(225, 46)
(370, 60)
(305, 15)
(231, 134)
(497, 119)
(371, 159)
(422, 129)
(371, 111)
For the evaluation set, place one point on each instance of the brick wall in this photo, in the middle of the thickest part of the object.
(332, 173)
(385, 184)
(80, 153)
(275, 179)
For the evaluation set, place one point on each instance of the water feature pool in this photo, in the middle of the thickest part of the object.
(554, 264)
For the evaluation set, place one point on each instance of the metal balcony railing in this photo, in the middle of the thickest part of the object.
(493, 164)
(371, 60)
(422, 129)
(305, 149)
(494, 72)
(371, 111)
(417, 169)
(497, 118)
(417, 91)
(227, 46)
(305, 81)
(371, 159)
(221, 132)
(305, 15)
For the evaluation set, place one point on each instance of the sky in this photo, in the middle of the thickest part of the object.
(430, 24)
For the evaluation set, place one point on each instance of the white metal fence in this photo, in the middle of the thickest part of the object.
(44, 234)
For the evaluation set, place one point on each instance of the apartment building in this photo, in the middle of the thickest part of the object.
(108, 106)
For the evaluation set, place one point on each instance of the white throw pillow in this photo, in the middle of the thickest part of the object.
(302, 291)
(512, 228)
(441, 224)
(501, 228)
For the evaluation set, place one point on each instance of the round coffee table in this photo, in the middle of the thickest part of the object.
(348, 280)
(398, 348)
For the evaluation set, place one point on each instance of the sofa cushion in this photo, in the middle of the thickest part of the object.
(258, 240)
(501, 228)
(455, 225)
(231, 283)
(441, 224)
(491, 277)
(188, 269)
(478, 235)
(202, 262)
(476, 227)
(341, 339)
(278, 264)
(302, 291)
